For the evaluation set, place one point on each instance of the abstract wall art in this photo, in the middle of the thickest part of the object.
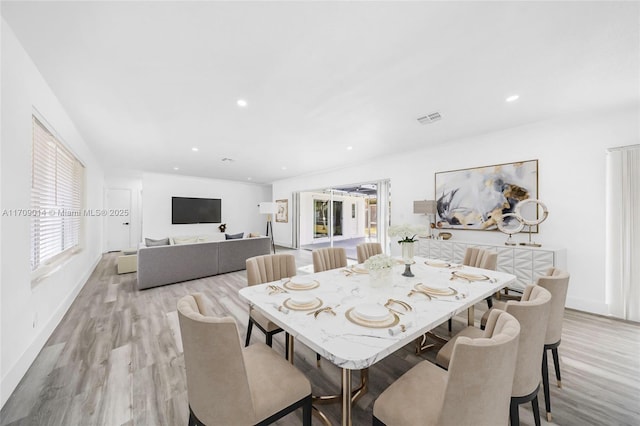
(476, 198)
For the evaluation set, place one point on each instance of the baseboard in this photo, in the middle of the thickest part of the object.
(598, 308)
(11, 380)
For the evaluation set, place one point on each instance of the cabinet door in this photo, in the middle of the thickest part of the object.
(423, 247)
(505, 260)
(542, 260)
(458, 252)
(522, 268)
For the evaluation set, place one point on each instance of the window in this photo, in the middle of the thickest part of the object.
(56, 197)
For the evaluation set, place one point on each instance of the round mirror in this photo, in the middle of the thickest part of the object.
(528, 212)
(510, 224)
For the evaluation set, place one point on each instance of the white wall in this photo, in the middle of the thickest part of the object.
(29, 315)
(239, 205)
(572, 158)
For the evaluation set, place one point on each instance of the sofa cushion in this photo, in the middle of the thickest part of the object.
(155, 243)
(185, 240)
(238, 236)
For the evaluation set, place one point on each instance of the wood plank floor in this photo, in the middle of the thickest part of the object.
(116, 359)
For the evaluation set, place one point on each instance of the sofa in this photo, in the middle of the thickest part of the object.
(170, 264)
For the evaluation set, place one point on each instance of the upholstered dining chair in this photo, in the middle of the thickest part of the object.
(264, 269)
(532, 312)
(328, 258)
(366, 250)
(557, 282)
(469, 393)
(231, 385)
(479, 258)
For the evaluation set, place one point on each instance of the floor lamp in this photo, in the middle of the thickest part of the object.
(269, 209)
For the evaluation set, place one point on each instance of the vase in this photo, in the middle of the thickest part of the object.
(380, 277)
(408, 249)
(407, 257)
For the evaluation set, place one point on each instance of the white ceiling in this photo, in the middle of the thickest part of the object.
(147, 81)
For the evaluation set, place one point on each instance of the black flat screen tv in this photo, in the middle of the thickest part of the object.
(195, 210)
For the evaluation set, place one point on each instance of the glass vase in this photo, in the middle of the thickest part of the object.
(408, 249)
(380, 277)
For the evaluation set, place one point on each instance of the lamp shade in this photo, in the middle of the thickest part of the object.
(424, 207)
(268, 208)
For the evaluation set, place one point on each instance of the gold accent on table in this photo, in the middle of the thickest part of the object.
(327, 309)
(390, 321)
(468, 277)
(431, 291)
(437, 264)
(297, 287)
(274, 289)
(404, 305)
(308, 307)
(357, 270)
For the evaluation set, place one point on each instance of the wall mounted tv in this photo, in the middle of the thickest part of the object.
(195, 210)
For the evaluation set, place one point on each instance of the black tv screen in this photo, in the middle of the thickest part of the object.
(195, 210)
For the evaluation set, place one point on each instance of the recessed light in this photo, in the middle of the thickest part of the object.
(249, 178)
(284, 167)
(349, 148)
(195, 149)
(241, 103)
(176, 168)
(512, 98)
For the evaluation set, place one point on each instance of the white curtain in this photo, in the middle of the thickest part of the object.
(623, 232)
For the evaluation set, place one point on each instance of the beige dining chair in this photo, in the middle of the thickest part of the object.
(470, 393)
(231, 385)
(557, 282)
(366, 250)
(328, 258)
(264, 269)
(532, 312)
(479, 258)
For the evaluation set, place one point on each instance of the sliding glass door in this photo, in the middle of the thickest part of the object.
(342, 216)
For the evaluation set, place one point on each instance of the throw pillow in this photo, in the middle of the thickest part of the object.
(234, 236)
(253, 235)
(185, 240)
(155, 243)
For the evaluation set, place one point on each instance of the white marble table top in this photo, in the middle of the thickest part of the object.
(352, 346)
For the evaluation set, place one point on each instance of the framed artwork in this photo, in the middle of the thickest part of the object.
(476, 198)
(282, 215)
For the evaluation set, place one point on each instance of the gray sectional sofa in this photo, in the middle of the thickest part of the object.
(174, 263)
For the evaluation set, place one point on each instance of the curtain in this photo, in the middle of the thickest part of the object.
(623, 232)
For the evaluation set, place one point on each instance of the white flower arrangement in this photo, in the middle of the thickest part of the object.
(378, 262)
(407, 233)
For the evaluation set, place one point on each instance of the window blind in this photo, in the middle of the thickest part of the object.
(56, 197)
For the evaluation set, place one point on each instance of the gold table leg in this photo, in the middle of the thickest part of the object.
(290, 352)
(346, 397)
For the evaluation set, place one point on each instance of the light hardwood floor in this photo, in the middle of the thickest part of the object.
(116, 359)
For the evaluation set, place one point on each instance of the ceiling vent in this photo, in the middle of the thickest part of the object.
(227, 160)
(430, 118)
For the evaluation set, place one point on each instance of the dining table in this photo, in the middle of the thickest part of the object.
(354, 321)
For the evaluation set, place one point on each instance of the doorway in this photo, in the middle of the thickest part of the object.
(341, 216)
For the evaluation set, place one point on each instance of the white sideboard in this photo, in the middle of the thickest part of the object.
(526, 263)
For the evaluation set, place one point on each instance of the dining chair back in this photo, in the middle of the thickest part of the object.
(470, 392)
(557, 282)
(227, 384)
(366, 250)
(264, 269)
(479, 258)
(532, 312)
(328, 258)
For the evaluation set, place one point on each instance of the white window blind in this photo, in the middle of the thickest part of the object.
(56, 197)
